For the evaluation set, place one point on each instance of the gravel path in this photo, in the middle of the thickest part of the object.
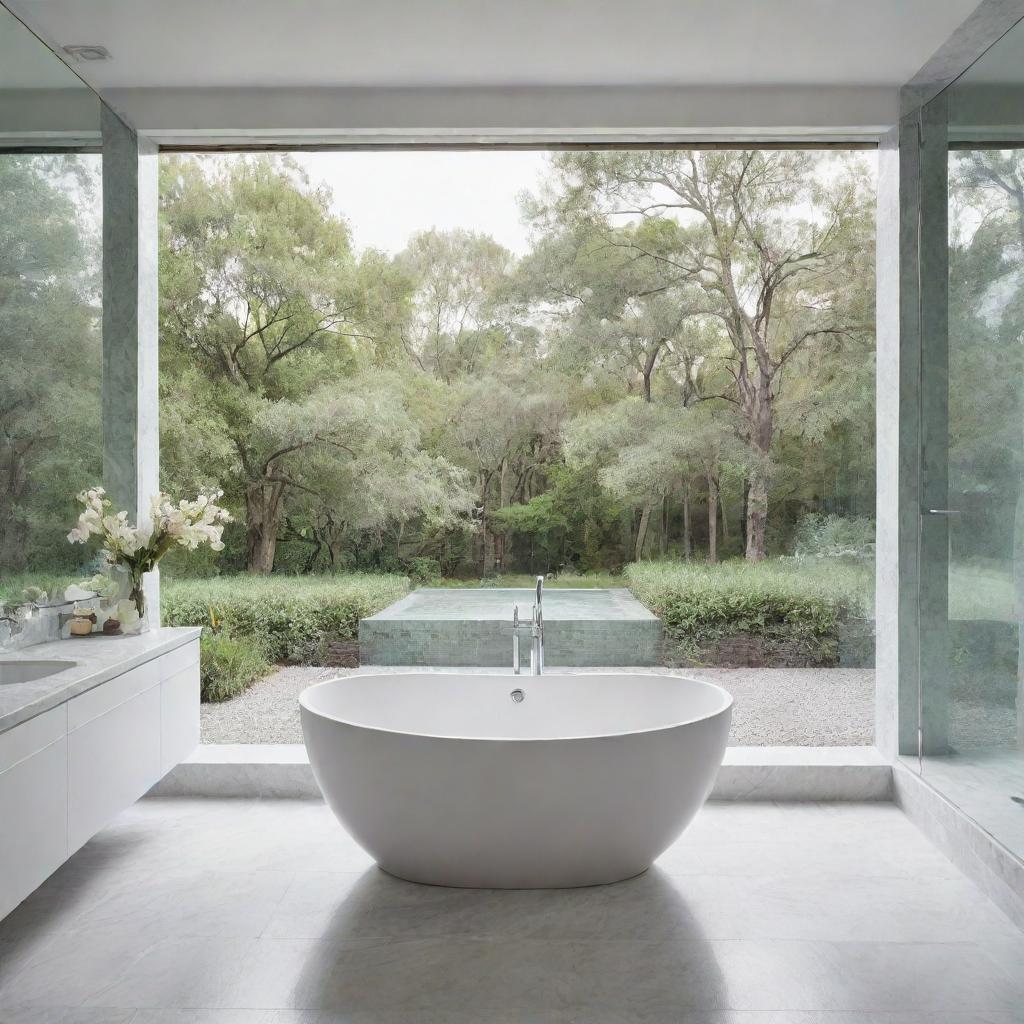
(774, 706)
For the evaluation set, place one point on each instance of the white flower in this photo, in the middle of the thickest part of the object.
(189, 524)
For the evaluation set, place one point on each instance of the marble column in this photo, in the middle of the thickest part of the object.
(131, 435)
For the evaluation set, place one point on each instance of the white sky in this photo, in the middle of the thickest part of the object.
(386, 196)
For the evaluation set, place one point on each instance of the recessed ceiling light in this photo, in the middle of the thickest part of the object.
(87, 52)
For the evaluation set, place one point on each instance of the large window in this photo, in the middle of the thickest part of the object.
(650, 370)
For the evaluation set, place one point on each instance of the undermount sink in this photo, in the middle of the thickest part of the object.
(27, 671)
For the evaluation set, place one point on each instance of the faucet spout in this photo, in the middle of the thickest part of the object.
(537, 632)
(515, 639)
(536, 628)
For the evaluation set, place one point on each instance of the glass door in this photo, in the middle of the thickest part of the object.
(972, 517)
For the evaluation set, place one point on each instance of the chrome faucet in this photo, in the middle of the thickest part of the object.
(536, 628)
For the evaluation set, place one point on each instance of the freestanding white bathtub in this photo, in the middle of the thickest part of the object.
(499, 781)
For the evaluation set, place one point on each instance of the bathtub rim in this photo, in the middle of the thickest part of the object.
(726, 708)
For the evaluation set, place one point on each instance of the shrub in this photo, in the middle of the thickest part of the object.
(293, 618)
(774, 612)
(423, 571)
(228, 664)
(821, 536)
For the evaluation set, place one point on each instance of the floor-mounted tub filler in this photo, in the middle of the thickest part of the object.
(490, 781)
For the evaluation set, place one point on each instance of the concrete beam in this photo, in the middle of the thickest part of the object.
(298, 116)
(990, 21)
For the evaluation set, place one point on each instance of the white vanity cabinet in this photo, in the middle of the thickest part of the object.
(179, 706)
(33, 804)
(113, 749)
(67, 772)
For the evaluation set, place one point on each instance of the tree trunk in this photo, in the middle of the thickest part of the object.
(641, 533)
(13, 527)
(648, 368)
(263, 520)
(712, 519)
(501, 539)
(487, 560)
(725, 521)
(687, 538)
(757, 515)
(761, 417)
(743, 514)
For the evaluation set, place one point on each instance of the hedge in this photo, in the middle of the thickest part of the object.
(777, 612)
(228, 664)
(293, 619)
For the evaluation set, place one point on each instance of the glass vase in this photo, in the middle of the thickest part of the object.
(129, 606)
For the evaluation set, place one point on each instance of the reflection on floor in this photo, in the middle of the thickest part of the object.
(248, 912)
(987, 784)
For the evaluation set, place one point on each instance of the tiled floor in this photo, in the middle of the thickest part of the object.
(249, 912)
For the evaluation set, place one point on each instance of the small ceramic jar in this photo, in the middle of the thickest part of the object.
(82, 621)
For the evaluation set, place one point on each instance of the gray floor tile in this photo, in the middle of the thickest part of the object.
(68, 1015)
(250, 912)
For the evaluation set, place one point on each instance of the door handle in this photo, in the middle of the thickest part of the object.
(943, 512)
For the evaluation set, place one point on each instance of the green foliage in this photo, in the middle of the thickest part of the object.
(773, 611)
(832, 536)
(265, 387)
(577, 406)
(50, 365)
(19, 588)
(538, 516)
(292, 618)
(228, 664)
(567, 408)
(424, 571)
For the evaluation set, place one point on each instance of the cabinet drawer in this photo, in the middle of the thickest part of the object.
(33, 822)
(179, 716)
(112, 760)
(32, 736)
(180, 658)
(109, 695)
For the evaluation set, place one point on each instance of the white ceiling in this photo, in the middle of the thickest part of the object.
(26, 63)
(432, 43)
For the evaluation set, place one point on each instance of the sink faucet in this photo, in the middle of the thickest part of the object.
(536, 628)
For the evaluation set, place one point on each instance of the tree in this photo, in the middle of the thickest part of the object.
(456, 279)
(779, 254)
(684, 328)
(261, 308)
(504, 433)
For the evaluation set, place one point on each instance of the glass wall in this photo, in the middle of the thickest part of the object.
(50, 293)
(972, 711)
(530, 364)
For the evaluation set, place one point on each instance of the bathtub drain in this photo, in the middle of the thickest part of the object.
(518, 696)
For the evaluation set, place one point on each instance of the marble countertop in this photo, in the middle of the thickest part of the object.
(96, 659)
